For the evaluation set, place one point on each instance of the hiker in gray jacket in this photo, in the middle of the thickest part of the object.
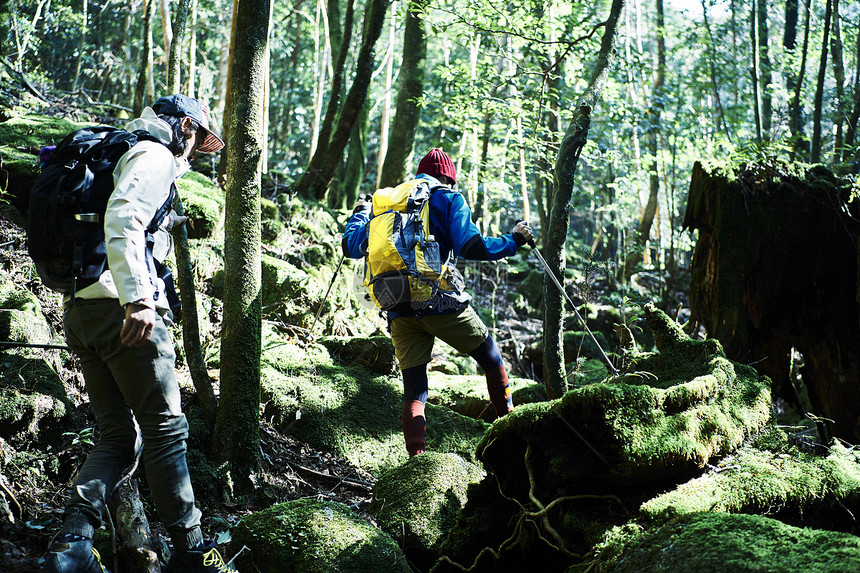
(117, 329)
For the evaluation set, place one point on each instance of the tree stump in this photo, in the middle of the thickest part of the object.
(775, 268)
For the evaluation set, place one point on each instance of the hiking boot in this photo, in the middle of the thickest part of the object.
(73, 554)
(204, 560)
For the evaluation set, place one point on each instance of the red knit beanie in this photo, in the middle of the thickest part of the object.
(438, 163)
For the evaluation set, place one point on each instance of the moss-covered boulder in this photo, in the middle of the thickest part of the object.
(21, 138)
(418, 502)
(577, 344)
(718, 542)
(270, 216)
(203, 201)
(22, 326)
(671, 413)
(350, 410)
(314, 537)
(785, 482)
(375, 352)
(31, 417)
(295, 293)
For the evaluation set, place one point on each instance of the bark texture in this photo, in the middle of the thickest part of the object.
(237, 431)
(559, 220)
(775, 268)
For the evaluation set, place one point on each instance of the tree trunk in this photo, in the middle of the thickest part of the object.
(191, 85)
(765, 67)
(385, 114)
(563, 179)
(795, 112)
(400, 147)
(167, 29)
(174, 80)
(646, 221)
(839, 76)
(317, 177)
(136, 545)
(715, 88)
(146, 60)
(237, 428)
(81, 46)
(356, 162)
(337, 84)
(851, 131)
(819, 88)
(789, 43)
(754, 71)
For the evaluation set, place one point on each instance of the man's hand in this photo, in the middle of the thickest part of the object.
(139, 322)
(524, 231)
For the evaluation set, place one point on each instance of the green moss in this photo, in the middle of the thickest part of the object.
(760, 481)
(681, 408)
(291, 293)
(418, 502)
(314, 537)
(349, 410)
(26, 418)
(716, 542)
(21, 326)
(203, 201)
(467, 395)
(375, 352)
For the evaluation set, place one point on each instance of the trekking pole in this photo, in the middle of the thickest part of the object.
(558, 284)
(28, 345)
(322, 302)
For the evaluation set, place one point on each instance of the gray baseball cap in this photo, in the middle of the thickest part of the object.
(181, 105)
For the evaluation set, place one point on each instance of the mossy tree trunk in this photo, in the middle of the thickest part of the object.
(237, 428)
(146, 59)
(817, 109)
(836, 50)
(319, 173)
(396, 168)
(356, 162)
(775, 267)
(174, 61)
(795, 111)
(851, 130)
(765, 68)
(559, 218)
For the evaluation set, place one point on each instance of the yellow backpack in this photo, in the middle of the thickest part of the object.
(403, 267)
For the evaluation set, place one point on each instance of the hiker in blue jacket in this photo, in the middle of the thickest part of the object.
(453, 321)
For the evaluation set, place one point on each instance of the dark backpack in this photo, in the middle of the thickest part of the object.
(65, 227)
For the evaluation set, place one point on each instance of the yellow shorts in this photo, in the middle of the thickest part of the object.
(413, 337)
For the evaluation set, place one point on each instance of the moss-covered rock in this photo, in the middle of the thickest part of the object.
(314, 537)
(375, 352)
(296, 293)
(717, 542)
(203, 201)
(31, 417)
(21, 138)
(786, 482)
(21, 326)
(270, 217)
(349, 410)
(417, 503)
(673, 412)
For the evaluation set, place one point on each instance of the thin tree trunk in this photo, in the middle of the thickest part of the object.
(819, 88)
(174, 81)
(356, 160)
(385, 115)
(754, 69)
(167, 29)
(81, 46)
(317, 177)
(851, 131)
(237, 428)
(839, 75)
(22, 48)
(765, 67)
(408, 112)
(795, 112)
(320, 67)
(715, 88)
(146, 60)
(646, 220)
(563, 181)
(191, 88)
(789, 44)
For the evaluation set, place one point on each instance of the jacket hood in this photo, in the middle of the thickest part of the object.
(150, 122)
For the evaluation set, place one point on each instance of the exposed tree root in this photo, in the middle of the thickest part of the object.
(539, 519)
